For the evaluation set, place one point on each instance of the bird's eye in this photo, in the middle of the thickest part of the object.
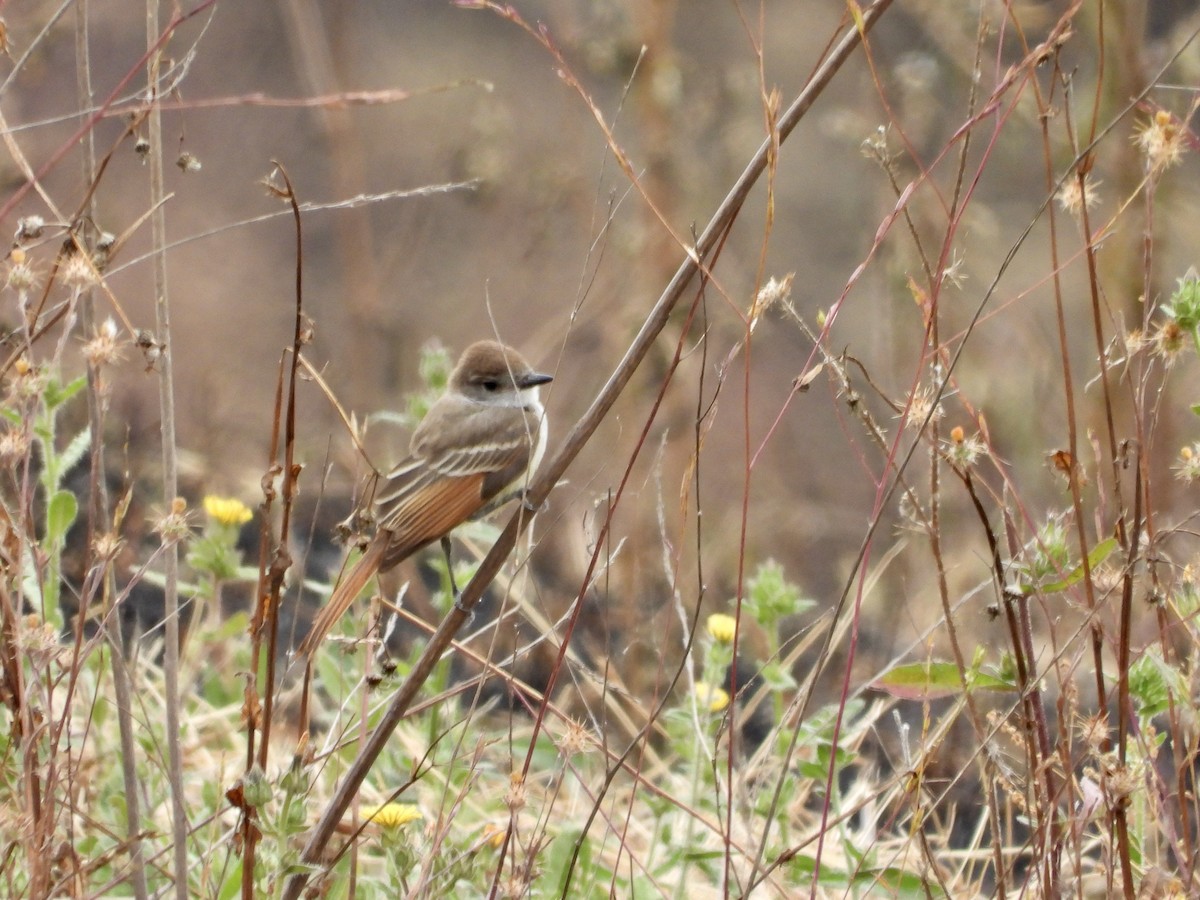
(491, 385)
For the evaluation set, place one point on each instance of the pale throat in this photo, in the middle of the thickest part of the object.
(528, 398)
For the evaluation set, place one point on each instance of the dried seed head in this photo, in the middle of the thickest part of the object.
(20, 276)
(104, 347)
(29, 228)
(14, 445)
(922, 407)
(964, 451)
(174, 526)
(78, 271)
(576, 739)
(515, 798)
(107, 545)
(1169, 341)
(774, 292)
(1073, 197)
(1188, 467)
(1161, 140)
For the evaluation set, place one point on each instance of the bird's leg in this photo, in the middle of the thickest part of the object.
(528, 505)
(453, 586)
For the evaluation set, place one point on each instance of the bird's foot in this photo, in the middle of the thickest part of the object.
(531, 507)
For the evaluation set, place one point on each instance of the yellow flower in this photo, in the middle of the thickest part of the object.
(721, 628)
(227, 510)
(391, 815)
(715, 698)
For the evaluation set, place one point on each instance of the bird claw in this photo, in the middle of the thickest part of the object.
(529, 506)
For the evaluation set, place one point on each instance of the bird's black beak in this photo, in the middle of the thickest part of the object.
(533, 379)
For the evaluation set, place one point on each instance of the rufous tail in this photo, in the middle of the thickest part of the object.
(343, 595)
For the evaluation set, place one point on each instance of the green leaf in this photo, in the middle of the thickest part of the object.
(75, 451)
(886, 882)
(232, 885)
(1154, 684)
(930, 680)
(56, 395)
(60, 515)
(560, 870)
(1195, 408)
(1099, 553)
(777, 677)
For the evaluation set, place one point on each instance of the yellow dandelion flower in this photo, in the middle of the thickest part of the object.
(494, 834)
(715, 698)
(391, 815)
(721, 627)
(227, 510)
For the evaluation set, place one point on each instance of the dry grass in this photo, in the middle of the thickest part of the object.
(863, 562)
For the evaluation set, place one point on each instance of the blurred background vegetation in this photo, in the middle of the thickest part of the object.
(525, 228)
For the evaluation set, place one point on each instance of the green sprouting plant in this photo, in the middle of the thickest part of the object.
(770, 598)
(36, 400)
(1184, 306)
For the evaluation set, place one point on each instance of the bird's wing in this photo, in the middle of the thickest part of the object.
(446, 481)
(439, 487)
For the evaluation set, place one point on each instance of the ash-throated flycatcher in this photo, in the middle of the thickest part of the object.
(473, 451)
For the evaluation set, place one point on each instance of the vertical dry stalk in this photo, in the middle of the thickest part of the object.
(166, 394)
(98, 515)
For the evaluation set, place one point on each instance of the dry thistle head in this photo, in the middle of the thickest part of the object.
(1075, 194)
(28, 382)
(963, 451)
(515, 798)
(922, 407)
(576, 739)
(38, 641)
(175, 526)
(78, 271)
(20, 276)
(1135, 342)
(1161, 140)
(774, 292)
(14, 445)
(107, 545)
(1169, 341)
(103, 348)
(1188, 467)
